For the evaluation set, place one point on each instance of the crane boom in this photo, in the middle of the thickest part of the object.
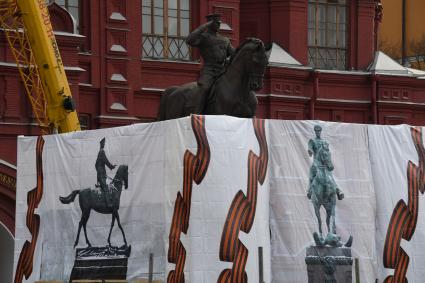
(30, 35)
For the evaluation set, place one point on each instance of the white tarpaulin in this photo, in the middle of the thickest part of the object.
(292, 217)
(371, 168)
(206, 194)
(155, 156)
(391, 149)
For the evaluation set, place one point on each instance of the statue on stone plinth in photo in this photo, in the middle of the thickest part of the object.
(323, 190)
(100, 262)
(330, 260)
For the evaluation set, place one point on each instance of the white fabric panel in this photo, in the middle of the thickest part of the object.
(292, 217)
(25, 180)
(370, 168)
(391, 148)
(68, 164)
(230, 141)
(154, 154)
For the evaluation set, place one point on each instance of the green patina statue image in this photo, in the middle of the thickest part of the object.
(322, 189)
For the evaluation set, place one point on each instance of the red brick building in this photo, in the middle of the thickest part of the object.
(120, 55)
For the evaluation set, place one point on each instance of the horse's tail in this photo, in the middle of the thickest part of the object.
(162, 104)
(70, 198)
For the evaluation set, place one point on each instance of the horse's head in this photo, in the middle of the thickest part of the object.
(325, 157)
(121, 177)
(252, 54)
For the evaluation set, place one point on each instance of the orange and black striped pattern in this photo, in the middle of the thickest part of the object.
(194, 169)
(25, 262)
(405, 216)
(241, 214)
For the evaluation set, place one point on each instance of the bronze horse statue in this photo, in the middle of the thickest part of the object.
(233, 92)
(324, 190)
(94, 199)
(324, 193)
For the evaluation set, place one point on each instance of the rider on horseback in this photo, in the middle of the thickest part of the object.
(101, 162)
(314, 146)
(215, 50)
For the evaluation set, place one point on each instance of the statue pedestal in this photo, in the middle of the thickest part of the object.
(329, 264)
(100, 263)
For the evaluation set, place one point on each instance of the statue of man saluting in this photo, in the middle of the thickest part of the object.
(215, 51)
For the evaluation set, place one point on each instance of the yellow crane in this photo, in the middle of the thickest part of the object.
(29, 32)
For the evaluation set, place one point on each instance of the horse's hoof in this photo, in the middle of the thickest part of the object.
(318, 239)
(349, 242)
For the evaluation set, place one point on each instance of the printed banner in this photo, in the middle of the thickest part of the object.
(222, 199)
(397, 158)
(116, 202)
(292, 215)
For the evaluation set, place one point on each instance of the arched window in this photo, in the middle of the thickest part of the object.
(165, 25)
(327, 34)
(72, 7)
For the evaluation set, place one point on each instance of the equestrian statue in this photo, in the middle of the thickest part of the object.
(228, 78)
(323, 190)
(106, 200)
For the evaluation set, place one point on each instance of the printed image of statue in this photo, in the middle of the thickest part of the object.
(96, 262)
(100, 165)
(322, 189)
(215, 51)
(316, 147)
(329, 261)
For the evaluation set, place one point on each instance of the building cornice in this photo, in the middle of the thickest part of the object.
(5, 163)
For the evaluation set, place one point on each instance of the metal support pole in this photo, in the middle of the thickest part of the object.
(150, 267)
(357, 268)
(260, 265)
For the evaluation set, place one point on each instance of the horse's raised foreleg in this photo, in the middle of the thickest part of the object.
(110, 230)
(328, 221)
(333, 217)
(119, 225)
(330, 213)
(319, 220)
(85, 218)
